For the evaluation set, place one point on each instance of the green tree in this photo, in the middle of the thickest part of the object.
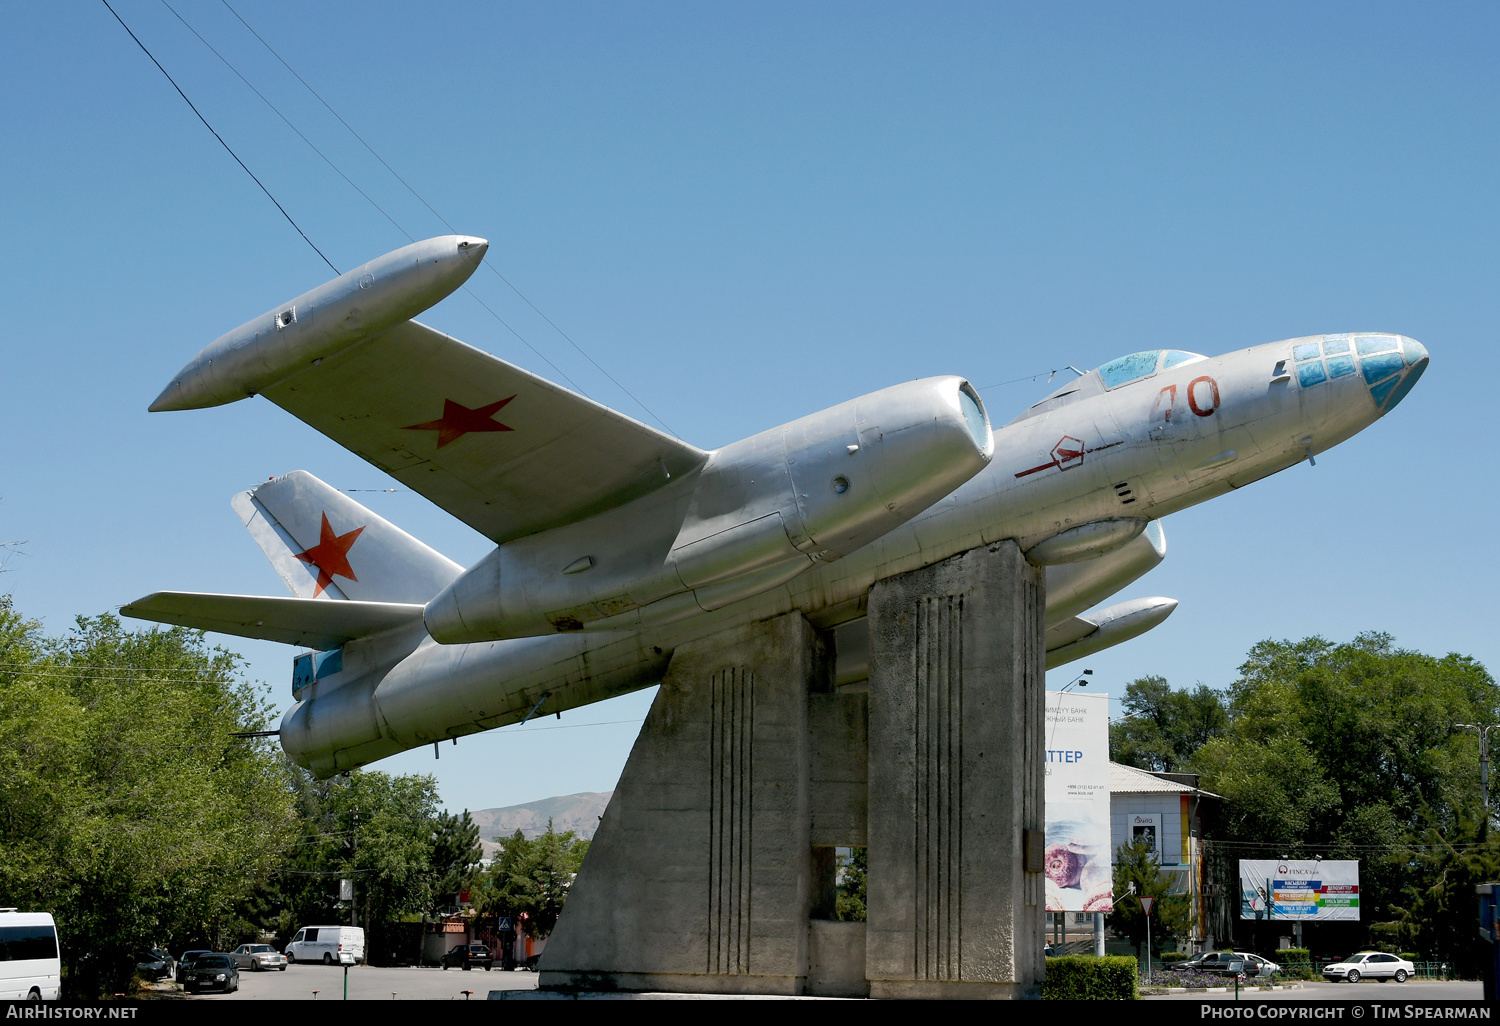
(370, 827)
(1163, 728)
(533, 877)
(1435, 914)
(456, 854)
(1351, 752)
(850, 896)
(128, 807)
(1137, 875)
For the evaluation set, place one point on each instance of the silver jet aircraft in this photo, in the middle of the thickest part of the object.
(615, 543)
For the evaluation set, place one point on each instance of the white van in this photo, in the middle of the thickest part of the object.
(30, 967)
(325, 944)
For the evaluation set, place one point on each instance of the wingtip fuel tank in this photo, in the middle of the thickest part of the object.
(354, 306)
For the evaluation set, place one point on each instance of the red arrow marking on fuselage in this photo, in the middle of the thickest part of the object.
(1033, 470)
(459, 420)
(1069, 455)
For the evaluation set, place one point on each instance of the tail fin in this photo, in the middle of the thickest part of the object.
(324, 544)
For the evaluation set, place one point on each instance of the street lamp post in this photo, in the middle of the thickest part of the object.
(1484, 761)
(1078, 682)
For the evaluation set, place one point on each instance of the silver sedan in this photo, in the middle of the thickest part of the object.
(257, 957)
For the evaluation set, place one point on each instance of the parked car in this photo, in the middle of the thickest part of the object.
(1376, 965)
(212, 971)
(1217, 962)
(326, 944)
(1255, 965)
(155, 964)
(256, 957)
(467, 956)
(186, 961)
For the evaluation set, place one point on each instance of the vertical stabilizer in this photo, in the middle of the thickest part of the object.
(323, 544)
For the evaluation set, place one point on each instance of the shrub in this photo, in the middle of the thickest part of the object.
(1087, 978)
(1296, 964)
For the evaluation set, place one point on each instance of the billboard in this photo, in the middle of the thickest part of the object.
(1310, 890)
(1077, 794)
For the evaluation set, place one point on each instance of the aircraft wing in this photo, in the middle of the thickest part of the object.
(315, 623)
(503, 450)
(1074, 628)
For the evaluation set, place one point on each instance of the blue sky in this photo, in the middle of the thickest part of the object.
(746, 213)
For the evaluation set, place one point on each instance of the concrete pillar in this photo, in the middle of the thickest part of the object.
(700, 878)
(955, 779)
(713, 869)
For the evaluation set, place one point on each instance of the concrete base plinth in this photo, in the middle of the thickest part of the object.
(699, 878)
(713, 870)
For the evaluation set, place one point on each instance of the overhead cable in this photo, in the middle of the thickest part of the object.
(219, 137)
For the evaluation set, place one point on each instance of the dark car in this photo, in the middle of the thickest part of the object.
(186, 961)
(467, 956)
(1218, 962)
(155, 964)
(212, 971)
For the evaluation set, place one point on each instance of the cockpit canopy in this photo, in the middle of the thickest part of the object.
(1114, 374)
(1142, 365)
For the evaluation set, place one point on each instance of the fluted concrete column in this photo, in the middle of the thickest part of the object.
(955, 778)
(699, 878)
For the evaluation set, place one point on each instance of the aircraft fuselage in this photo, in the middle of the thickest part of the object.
(1077, 476)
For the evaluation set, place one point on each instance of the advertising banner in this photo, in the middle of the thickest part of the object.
(1146, 826)
(1315, 890)
(1077, 794)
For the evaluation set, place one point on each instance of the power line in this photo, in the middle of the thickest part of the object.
(219, 137)
(140, 676)
(87, 666)
(287, 122)
(337, 170)
(492, 268)
(571, 726)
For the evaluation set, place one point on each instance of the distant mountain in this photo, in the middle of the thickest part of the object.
(576, 812)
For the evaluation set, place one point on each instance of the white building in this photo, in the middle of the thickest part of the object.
(1165, 808)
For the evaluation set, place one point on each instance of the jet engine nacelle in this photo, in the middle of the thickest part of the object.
(758, 513)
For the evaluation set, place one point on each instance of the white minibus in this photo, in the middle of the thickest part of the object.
(30, 969)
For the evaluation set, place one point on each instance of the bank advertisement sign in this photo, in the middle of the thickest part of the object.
(1077, 794)
(1326, 891)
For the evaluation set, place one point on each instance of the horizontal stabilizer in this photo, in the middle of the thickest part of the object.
(314, 623)
(1081, 636)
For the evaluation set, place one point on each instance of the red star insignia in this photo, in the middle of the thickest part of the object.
(458, 420)
(331, 555)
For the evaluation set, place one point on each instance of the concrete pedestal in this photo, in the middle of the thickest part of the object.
(713, 869)
(956, 774)
(699, 878)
